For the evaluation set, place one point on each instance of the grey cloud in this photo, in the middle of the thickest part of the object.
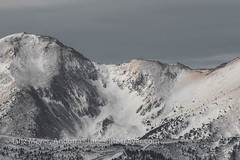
(113, 31)
(16, 4)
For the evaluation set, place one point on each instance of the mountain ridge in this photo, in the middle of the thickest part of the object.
(49, 90)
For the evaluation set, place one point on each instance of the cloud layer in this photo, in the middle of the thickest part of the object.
(16, 4)
(113, 31)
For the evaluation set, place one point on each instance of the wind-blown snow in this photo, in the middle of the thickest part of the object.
(121, 107)
(209, 96)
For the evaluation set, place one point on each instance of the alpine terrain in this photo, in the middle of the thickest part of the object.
(51, 92)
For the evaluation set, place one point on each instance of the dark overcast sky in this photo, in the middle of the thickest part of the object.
(198, 33)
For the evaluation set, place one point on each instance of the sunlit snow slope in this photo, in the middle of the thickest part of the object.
(48, 90)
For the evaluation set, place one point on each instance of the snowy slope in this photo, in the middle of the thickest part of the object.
(136, 93)
(205, 103)
(176, 102)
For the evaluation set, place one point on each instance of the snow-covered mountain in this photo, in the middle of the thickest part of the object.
(205, 103)
(48, 90)
(45, 87)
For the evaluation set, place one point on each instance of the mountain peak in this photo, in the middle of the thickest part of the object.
(18, 36)
(223, 65)
(144, 62)
(43, 70)
(35, 59)
(235, 60)
(31, 39)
